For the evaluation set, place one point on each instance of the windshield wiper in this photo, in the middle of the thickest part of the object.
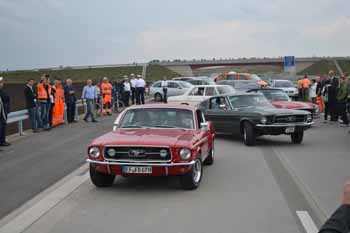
(164, 126)
(132, 126)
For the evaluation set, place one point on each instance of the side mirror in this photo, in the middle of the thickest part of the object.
(204, 126)
(115, 127)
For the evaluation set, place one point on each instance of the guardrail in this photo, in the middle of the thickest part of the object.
(22, 115)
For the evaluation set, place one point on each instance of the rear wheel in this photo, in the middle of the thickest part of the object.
(249, 135)
(101, 179)
(158, 97)
(210, 159)
(297, 137)
(192, 179)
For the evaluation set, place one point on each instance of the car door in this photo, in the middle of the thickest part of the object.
(195, 96)
(204, 135)
(219, 113)
(172, 89)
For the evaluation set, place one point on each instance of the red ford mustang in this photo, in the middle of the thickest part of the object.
(154, 140)
(280, 99)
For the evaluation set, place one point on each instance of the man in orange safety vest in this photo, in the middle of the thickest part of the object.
(106, 91)
(58, 103)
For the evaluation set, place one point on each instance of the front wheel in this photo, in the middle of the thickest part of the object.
(210, 159)
(192, 179)
(158, 97)
(249, 135)
(101, 179)
(297, 137)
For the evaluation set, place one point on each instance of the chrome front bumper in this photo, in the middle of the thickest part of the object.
(286, 125)
(141, 163)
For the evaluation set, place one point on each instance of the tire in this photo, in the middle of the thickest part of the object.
(210, 159)
(101, 179)
(158, 97)
(249, 135)
(192, 179)
(297, 137)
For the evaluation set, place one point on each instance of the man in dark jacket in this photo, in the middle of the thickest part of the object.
(30, 98)
(69, 94)
(332, 96)
(4, 110)
(339, 222)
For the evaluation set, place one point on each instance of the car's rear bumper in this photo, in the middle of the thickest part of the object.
(158, 169)
(276, 129)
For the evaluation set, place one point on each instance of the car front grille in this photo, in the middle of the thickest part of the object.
(290, 119)
(132, 153)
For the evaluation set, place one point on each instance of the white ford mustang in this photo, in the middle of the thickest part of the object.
(197, 94)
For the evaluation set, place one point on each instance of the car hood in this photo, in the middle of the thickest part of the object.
(293, 105)
(273, 111)
(148, 137)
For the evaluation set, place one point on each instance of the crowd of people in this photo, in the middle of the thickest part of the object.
(331, 93)
(47, 103)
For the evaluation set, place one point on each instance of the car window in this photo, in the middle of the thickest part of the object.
(173, 85)
(157, 84)
(199, 118)
(225, 90)
(283, 84)
(197, 91)
(210, 91)
(216, 102)
(158, 118)
(185, 84)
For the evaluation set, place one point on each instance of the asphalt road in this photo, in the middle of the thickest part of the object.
(248, 189)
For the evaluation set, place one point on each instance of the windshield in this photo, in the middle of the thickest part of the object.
(185, 84)
(275, 95)
(158, 118)
(284, 84)
(225, 89)
(243, 101)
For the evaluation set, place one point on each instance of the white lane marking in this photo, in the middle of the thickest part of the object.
(32, 214)
(307, 221)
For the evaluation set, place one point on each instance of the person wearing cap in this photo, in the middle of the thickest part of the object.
(126, 92)
(140, 90)
(133, 88)
(4, 110)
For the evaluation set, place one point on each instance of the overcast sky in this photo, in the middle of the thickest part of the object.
(48, 33)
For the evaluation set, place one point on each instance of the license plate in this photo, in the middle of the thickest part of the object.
(137, 170)
(290, 129)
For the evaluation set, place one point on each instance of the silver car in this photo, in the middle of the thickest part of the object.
(175, 88)
(287, 86)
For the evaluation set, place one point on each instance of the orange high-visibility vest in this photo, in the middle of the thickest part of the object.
(306, 83)
(58, 109)
(42, 94)
(106, 90)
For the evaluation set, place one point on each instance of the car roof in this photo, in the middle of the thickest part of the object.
(266, 89)
(164, 106)
(211, 85)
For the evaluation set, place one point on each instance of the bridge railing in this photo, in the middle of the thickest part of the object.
(20, 116)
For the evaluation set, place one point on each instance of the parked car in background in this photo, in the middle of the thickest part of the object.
(154, 140)
(174, 88)
(197, 94)
(241, 76)
(251, 115)
(239, 85)
(287, 86)
(280, 99)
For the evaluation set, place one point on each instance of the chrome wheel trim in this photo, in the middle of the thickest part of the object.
(197, 171)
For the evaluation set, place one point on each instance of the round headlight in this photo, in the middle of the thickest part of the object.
(111, 152)
(163, 153)
(185, 154)
(94, 152)
(263, 120)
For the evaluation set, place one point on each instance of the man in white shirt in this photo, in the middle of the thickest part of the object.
(127, 90)
(164, 85)
(140, 90)
(133, 88)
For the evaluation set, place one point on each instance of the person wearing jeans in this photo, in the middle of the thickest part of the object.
(89, 95)
(30, 99)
